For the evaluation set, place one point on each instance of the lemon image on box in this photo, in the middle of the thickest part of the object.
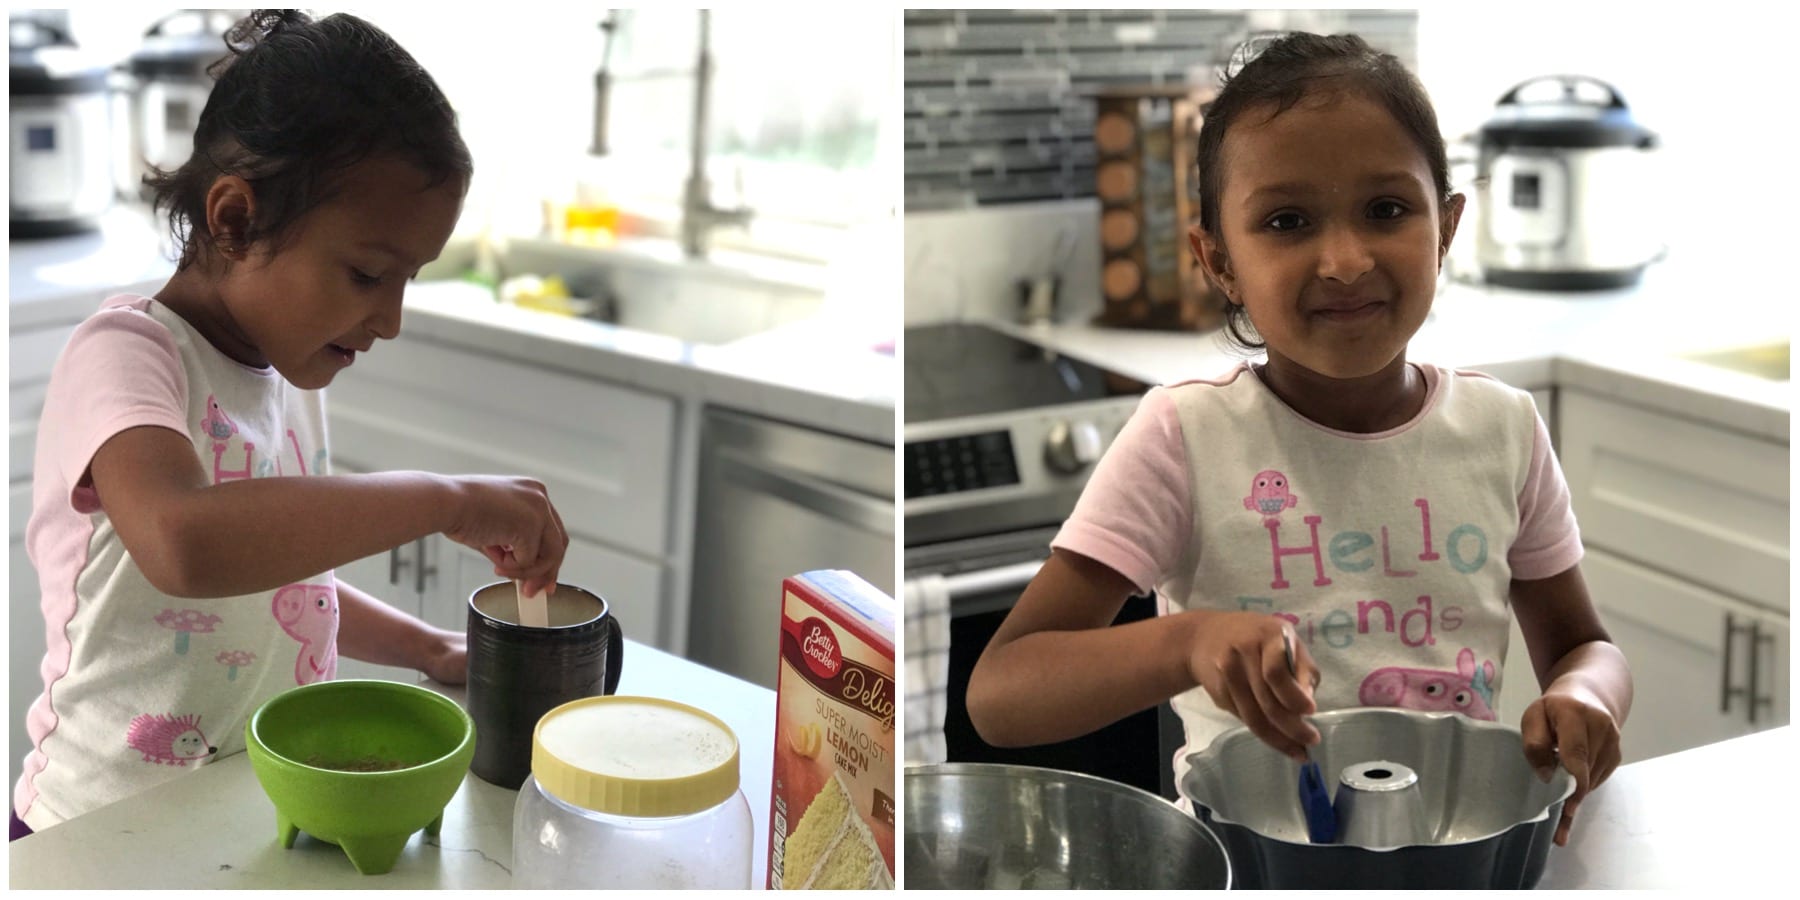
(832, 849)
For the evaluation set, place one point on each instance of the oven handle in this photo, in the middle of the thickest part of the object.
(1005, 580)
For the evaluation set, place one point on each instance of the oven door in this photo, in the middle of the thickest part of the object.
(984, 578)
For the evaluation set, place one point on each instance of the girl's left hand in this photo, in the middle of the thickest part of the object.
(1570, 724)
(448, 662)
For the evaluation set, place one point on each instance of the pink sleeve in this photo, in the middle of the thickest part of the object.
(1133, 516)
(1549, 542)
(120, 370)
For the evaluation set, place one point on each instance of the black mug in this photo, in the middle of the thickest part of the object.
(518, 672)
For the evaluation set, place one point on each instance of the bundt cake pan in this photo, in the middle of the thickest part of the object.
(1489, 819)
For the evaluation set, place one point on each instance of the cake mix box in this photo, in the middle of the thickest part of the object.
(831, 819)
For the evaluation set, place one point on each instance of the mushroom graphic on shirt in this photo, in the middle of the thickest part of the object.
(185, 622)
(1269, 495)
(236, 659)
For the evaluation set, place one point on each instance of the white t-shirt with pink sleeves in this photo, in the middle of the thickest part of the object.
(1392, 553)
(140, 686)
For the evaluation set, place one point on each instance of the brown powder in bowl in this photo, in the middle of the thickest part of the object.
(369, 763)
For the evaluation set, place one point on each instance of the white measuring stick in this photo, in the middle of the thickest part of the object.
(534, 610)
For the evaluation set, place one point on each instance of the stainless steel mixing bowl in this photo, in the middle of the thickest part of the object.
(982, 825)
(1489, 819)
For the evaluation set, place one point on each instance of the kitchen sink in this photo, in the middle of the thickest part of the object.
(1764, 360)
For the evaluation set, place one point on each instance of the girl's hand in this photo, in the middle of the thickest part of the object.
(448, 663)
(1240, 659)
(512, 522)
(1570, 724)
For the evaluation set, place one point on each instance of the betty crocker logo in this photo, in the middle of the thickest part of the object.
(819, 646)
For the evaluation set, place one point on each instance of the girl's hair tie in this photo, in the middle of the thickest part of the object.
(260, 25)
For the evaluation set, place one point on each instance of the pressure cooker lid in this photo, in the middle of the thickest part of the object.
(1564, 111)
(182, 45)
(44, 61)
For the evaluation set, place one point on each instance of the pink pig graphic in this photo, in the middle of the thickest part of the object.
(309, 614)
(1269, 495)
(1467, 690)
(169, 740)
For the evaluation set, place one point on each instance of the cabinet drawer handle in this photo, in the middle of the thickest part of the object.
(1725, 671)
(394, 566)
(424, 571)
(1757, 639)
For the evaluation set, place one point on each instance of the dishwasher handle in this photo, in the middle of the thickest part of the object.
(815, 494)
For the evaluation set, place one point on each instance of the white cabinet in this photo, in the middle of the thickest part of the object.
(1686, 527)
(1697, 658)
(605, 452)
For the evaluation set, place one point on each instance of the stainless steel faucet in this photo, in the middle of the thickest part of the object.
(698, 214)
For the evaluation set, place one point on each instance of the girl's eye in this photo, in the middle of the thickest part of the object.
(361, 277)
(1386, 209)
(1284, 222)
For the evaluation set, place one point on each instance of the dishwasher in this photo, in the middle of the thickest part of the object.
(776, 500)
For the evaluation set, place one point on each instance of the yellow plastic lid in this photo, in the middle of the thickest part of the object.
(635, 756)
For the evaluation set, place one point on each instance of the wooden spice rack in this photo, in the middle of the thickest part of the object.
(1144, 177)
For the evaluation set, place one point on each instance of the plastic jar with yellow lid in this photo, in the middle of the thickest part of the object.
(632, 792)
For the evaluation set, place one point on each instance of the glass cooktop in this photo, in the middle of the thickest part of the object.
(962, 369)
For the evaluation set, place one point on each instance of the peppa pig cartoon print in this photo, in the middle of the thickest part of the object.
(309, 614)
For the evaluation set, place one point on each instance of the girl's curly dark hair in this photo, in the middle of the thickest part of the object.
(295, 104)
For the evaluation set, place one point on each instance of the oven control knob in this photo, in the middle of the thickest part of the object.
(1072, 446)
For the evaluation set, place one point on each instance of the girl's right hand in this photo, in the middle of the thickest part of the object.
(512, 522)
(1239, 658)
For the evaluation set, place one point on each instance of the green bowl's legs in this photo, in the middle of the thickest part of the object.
(374, 855)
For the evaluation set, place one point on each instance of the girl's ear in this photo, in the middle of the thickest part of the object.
(1213, 261)
(230, 210)
(1452, 216)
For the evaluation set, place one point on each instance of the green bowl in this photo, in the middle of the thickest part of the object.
(360, 764)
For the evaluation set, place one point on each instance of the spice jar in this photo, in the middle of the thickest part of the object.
(631, 792)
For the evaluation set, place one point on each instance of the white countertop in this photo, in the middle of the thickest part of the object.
(1712, 818)
(215, 828)
(806, 373)
(1624, 344)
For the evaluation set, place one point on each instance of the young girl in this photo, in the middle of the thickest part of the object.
(1381, 514)
(182, 514)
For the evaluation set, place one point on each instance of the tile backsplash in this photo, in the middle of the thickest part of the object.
(997, 106)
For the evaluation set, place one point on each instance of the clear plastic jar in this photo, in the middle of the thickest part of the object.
(632, 792)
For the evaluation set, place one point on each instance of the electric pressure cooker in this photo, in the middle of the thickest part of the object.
(61, 143)
(1564, 188)
(169, 89)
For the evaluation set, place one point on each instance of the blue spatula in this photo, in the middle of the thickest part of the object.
(1315, 799)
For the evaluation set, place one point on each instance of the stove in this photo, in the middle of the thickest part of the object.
(1000, 437)
(1000, 433)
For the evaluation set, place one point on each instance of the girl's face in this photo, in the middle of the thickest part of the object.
(1332, 233)
(335, 286)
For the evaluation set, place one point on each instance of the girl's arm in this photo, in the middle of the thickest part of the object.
(192, 538)
(1056, 670)
(1586, 685)
(375, 632)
